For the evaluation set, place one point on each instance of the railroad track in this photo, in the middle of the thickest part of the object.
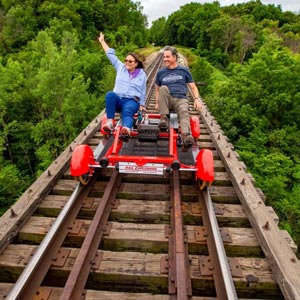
(146, 237)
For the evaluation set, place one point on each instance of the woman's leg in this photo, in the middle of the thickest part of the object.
(129, 108)
(113, 104)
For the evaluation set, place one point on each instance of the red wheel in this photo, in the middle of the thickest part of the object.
(84, 179)
(202, 184)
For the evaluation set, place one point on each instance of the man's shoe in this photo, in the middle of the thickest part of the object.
(125, 132)
(163, 123)
(187, 139)
(108, 127)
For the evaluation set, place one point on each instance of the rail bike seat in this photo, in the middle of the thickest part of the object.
(174, 123)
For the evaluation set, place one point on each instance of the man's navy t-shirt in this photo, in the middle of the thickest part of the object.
(175, 79)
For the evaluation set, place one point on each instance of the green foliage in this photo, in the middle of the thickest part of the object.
(60, 90)
(289, 211)
(19, 27)
(188, 25)
(268, 84)
(14, 110)
(273, 171)
(204, 72)
(226, 34)
(156, 32)
(11, 183)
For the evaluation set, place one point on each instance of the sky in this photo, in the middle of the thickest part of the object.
(155, 9)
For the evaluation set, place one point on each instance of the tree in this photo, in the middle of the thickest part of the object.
(11, 184)
(19, 26)
(156, 32)
(204, 15)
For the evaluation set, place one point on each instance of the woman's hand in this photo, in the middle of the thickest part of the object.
(142, 108)
(101, 37)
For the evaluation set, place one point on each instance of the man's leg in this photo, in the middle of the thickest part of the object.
(163, 106)
(182, 109)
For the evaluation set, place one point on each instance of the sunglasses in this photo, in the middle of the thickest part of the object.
(129, 61)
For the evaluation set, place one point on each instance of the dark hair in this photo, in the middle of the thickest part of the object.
(140, 64)
(172, 50)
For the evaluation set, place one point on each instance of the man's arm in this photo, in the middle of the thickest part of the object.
(196, 95)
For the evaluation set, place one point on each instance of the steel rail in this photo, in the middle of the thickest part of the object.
(179, 277)
(86, 257)
(32, 276)
(224, 284)
(151, 75)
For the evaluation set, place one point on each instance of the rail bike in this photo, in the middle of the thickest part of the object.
(147, 150)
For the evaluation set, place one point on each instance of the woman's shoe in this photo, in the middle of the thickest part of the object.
(108, 127)
(125, 131)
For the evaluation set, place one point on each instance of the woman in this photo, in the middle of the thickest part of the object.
(129, 93)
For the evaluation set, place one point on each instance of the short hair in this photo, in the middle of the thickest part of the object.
(173, 51)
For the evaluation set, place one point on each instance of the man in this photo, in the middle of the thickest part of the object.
(171, 93)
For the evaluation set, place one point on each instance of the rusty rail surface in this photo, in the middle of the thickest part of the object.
(179, 274)
(87, 256)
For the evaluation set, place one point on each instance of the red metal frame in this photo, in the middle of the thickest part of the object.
(113, 156)
(83, 160)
